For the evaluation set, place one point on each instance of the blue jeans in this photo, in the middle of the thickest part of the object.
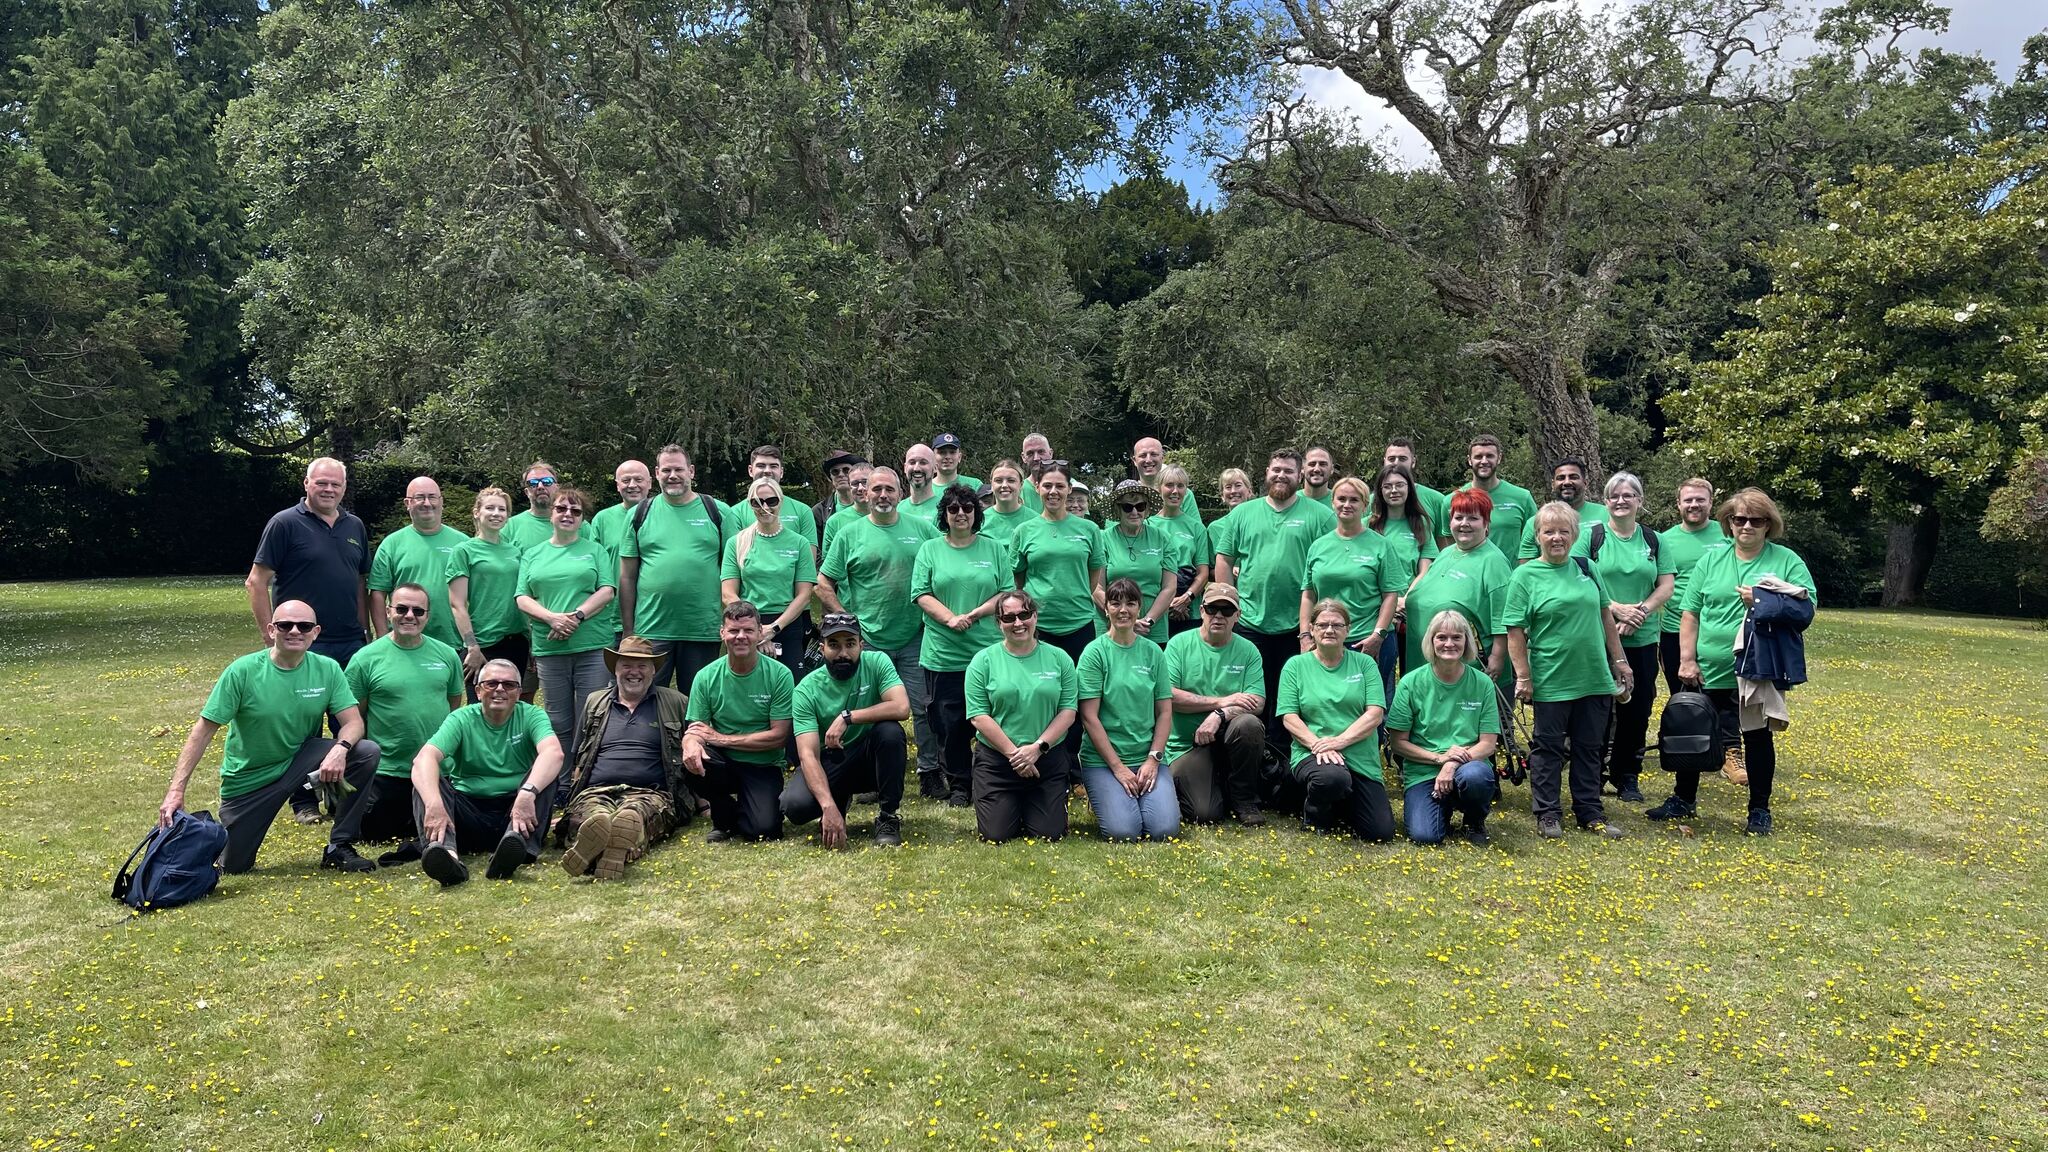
(1428, 819)
(1124, 817)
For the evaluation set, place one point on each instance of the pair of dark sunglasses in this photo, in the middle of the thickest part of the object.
(1013, 617)
(1220, 608)
(294, 625)
(541, 482)
(770, 502)
(499, 685)
(407, 610)
(1130, 507)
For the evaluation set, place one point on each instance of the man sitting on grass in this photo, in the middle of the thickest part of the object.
(272, 703)
(500, 759)
(628, 790)
(849, 736)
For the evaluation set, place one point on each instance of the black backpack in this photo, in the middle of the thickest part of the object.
(1689, 734)
(1597, 535)
(710, 509)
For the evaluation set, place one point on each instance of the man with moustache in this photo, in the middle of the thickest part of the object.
(628, 789)
(418, 554)
(1318, 472)
(1567, 483)
(849, 737)
(1695, 534)
(1262, 550)
(1513, 505)
(668, 569)
(739, 725)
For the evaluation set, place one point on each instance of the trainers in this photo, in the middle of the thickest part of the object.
(591, 837)
(344, 858)
(1759, 822)
(440, 862)
(1602, 829)
(506, 857)
(1732, 769)
(888, 830)
(1550, 828)
(405, 853)
(307, 815)
(1477, 837)
(628, 830)
(931, 785)
(1629, 794)
(717, 836)
(1672, 809)
(1250, 816)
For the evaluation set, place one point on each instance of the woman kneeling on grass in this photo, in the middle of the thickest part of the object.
(1020, 699)
(1127, 709)
(1331, 702)
(1444, 725)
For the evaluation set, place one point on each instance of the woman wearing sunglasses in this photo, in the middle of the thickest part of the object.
(1021, 696)
(773, 568)
(956, 580)
(563, 584)
(1136, 549)
(1717, 598)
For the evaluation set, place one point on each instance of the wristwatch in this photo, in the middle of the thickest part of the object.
(846, 715)
(345, 745)
(1043, 747)
(529, 788)
(578, 614)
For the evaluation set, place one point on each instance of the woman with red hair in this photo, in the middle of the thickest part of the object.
(1470, 576)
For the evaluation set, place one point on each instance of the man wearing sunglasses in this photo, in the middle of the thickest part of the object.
(406, 682)
(536, 525)
(417, 554)
(1217, 743)
(485, 781)
(272, 703)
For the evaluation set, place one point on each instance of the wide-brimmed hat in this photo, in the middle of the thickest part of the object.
(1128, 488)
(632, 647)
(841, 456)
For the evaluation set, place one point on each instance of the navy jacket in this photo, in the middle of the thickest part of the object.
(1772, 647)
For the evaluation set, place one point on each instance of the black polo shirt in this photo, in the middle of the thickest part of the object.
(629, 746)
(320, 565)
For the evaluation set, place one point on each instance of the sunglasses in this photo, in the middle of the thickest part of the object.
(1130, 507)
(569, 508)
(293, 625)
(498, 685)
(1750, 521)
(767, 502)
(541, 482)
(1219, 609)
(1014, 617)
(407, 610)
(967, 509)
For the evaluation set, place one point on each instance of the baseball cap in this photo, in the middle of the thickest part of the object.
(945, 440)
(1220, 593)
(839, 624)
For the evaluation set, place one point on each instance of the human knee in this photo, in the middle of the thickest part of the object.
(1476, 779)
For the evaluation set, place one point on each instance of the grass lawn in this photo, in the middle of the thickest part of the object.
(1875, 976)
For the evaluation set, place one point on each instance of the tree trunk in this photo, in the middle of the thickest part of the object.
(1565, 421)
(1908, 554)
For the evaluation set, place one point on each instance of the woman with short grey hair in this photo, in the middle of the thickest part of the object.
(1638, 579)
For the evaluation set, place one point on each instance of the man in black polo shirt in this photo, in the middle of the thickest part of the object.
(316, 553)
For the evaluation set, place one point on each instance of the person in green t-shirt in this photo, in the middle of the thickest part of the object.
(740, 709)
(634, 482)
(1470, 575)
(946, 448)
(1058, 558)
(417, 554)
(765, 462)
(483, 593)
(1435, 505)
(1331, 704)
(1637, 578)
(1126, 709)
(1132, 547)
(1356, 565)
(406, 683)
(535, 525)
(272, 703)
(955, 580)
(1188, 547)
(770, 564)
(920, 496)
(1695, 534)
(563, 587)
(1036, 452)
(1148, 460)
(849, 737)
(1444, 725)
(668, 568)
(1216, 748)
(1021, 696)
(486, 778)
(1262, 549)
(1513, 506)
(1006, 482)
(1319, 475)
(1567, 486)
(1563, 644)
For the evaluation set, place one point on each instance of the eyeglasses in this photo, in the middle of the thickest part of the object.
(1014, 617)
(1130, 507)
(1220, 608)
(422, 499)
(770, 502)
(569, 508)
(541, 482)
(408, 610)
(965, 509)
(294, 625)
(497, 685)
(1750, 521)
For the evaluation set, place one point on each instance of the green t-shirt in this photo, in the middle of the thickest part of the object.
(1328, 499)
(1146, 558)
(1187, 539)
(679, 549)
(269, 712)
(737, 705)
(1439, 716)
(1629, 574)
(1021, 693)
(940, 486)
(871, 566)
(1056, 560)
(962, 579)
(819, 699)
(1329, 700)
(1713, 596)
(1513, 507)
(833, 523)
(1560, 606)
(480, 759)
(1684, 547)
(1193, 665)
(609, 528)
(1003, 525)
(562, 579)
(1405, 553)
(524, 530)
(492, 597)
(1029, 494)
(1130, 682)
(1590, 513)
(404, 693)
(406, 557)
(1475, 583)
(1357, 572)
(775, 566)
(1270, 551)
(926, 509)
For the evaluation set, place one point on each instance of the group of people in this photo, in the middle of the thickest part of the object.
(1324, 631)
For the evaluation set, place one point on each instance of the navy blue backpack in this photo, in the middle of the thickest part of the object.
(178, 864)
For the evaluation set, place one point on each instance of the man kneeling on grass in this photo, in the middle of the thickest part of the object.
(739, 728)
(628, 790)
(500, 759)
(849, 737)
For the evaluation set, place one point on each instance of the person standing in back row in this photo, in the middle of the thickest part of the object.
(1695, 534)
(1512, 505)
(1262, 549)
(418, 554)
(668, 570)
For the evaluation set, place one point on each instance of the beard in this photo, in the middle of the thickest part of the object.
(842, 669)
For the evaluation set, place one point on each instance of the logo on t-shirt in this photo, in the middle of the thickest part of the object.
(1233, 669)
(1355, 678)
(1047, 675)
(311, 693)
(1468, 705)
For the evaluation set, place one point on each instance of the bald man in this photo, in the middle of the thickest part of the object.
(1148, 456)
(417, 554)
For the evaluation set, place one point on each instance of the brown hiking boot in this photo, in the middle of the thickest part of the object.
(591, 837)
(1732, 769)
(629, 831)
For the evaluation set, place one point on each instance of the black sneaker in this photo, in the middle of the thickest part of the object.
(1550, 828)
(1759, 822)
(888, 830)
(506, 857)
(344, 858)
(1250, 816)
(1629, 794)
(1672, 809)
(931, 785)
(959, 800)
(405, 853)
(440, 862)
(717, 836)
(1477, 837)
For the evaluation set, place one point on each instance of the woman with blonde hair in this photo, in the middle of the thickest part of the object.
(1444, 725)
(772, 571)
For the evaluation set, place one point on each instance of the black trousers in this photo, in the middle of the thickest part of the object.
(1631, 728)
(385, 813)
(946, 712)
(1275, 650)
(681, 660)
(1007, 805)
(746, 799)
(479, 822)
(1336, 799)
(1667, 654)
(1214, 779)
(1759, 753)
(247, 818)
(1574, 730)
(873, 764)
(1073, 644)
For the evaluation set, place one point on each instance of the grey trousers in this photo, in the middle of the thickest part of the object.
(931, 748)
(247, 817)
(564, 683)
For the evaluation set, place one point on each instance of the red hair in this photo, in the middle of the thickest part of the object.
(1472, 502)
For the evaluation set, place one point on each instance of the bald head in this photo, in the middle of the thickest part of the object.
(634, 480)
(1147, 455)
(423, 504)
(292, 630)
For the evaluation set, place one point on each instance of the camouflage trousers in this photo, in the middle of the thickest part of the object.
(657, 813)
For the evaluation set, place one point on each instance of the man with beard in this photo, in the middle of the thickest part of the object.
(849, 738)
(1262, 550)
(1568, 484)
(1435, 505)
(485, 779)
(1036, 453)
(739, 724)
(628, 789)
(1318, 472)
(1685, 542)
(1513, 505)
(668, 569)
(920, 496)
(418, 554)
(536, 525)
(946, 447)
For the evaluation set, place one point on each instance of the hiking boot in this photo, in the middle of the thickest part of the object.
(344, 858)
(1250, 816)
(717, 836)
(506, 857)
(1672, 809)
(628, 831)
(1759, 822)
(931, 785)
(405, 853)
(1628, 793)
(307, 815)
(1550, 828)
(959, 800)
(1477, 837)
(888, 830)
(440, 862)
(1732, 769)
(591, 837)
(1603, 829)
(868, 797)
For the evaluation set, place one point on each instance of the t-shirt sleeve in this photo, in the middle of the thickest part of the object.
(1375, 691)
(1090, 672)
(340, 696)
(1020, 550)
(380, 569)
(1290, 690)
(448, 737)
(977, 687)
(1098, 553)
(1401, 714)
(1496, 599)
(921, 574)
(700, 695)
(1428, 549)
(1203, 555)
(1309, 568)
(1666, 564)
(629, 540)
(1223, 538)
(455, 685)
(1515, 613)
(522, 586)
(1173, 662)
(1254, 678)
(358, 676)
(1796, 573)
(269, 545)
(1489, 705)
(835, 558)
(1527, 550)
(1070, 685)
(806, 565)
(535, 720)
(779, 699)
(607, 568)
(226, 698)
(885, 676)
(729, 564)
(803, 709)
(458, 562)
(1162, 688)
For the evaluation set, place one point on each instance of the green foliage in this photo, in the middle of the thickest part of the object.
(1127, 240)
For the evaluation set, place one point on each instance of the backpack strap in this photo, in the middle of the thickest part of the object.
(1594, 539)
(124, 879)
